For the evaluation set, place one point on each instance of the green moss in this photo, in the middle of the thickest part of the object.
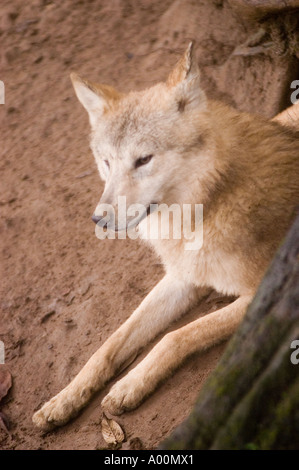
(251, 446)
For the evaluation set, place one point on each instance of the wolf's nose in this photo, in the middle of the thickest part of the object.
(100, 220)
(96, 218)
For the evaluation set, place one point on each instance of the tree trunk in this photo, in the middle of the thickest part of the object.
(251, 400)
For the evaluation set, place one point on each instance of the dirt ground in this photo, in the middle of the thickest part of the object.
(63, 291)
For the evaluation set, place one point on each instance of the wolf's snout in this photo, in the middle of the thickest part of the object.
(98, 219)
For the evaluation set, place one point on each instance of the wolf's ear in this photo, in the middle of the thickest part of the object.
(96, 99)
(185, 81)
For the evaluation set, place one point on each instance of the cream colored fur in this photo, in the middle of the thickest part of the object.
(244, 169)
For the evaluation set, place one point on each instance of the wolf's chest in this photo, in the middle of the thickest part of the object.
(202, 267)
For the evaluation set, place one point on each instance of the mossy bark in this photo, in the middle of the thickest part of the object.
(251, 400)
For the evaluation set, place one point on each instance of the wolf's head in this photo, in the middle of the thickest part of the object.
(141, 140)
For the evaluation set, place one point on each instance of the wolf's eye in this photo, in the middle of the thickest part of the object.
(143, 161)
(107, 163)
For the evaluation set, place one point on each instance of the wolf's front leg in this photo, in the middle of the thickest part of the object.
(170, 352)
(166, 302)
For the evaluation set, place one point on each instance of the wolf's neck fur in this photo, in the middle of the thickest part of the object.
(246, 175)
(241, 153)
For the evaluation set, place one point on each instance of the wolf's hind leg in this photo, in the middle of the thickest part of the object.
(170, 352)
(165, 303)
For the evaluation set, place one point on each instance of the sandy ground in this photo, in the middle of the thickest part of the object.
(63, 292)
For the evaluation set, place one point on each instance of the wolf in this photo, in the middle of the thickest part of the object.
(170, 144)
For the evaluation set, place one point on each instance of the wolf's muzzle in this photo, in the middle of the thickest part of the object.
(99, 219)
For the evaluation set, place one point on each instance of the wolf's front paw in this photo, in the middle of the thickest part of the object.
(55, 412)
(125, 395)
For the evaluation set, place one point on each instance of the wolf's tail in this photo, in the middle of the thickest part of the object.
(289, 117)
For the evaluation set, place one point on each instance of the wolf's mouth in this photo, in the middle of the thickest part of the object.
(152, 207)
(101, 222)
